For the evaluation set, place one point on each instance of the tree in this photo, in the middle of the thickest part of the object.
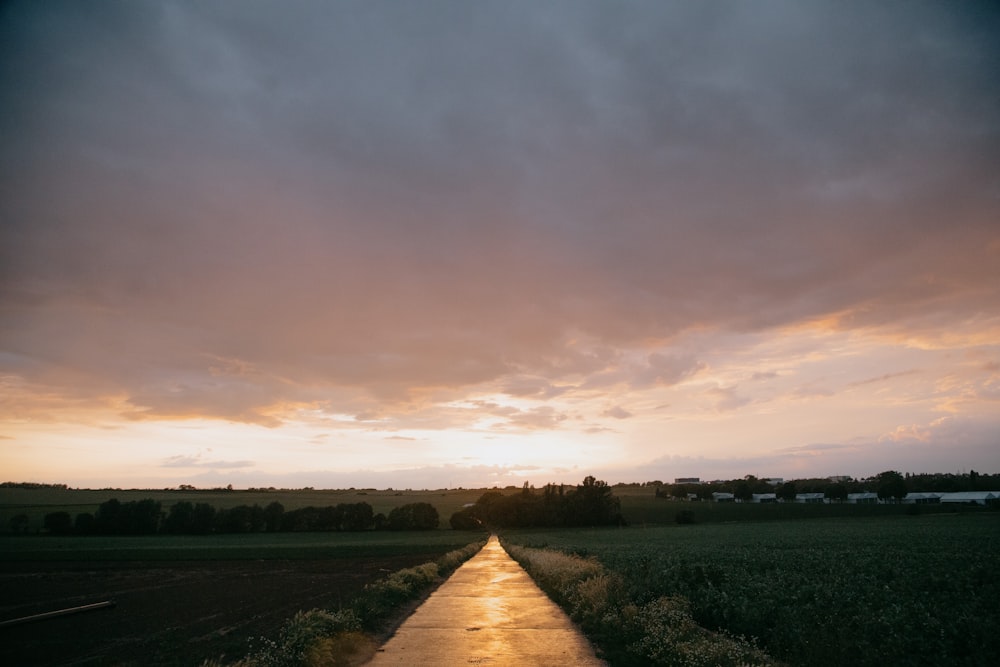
(180, 518)
(107, 520)
(891, 484)
(356, 516)
(465, 519)
(59, 523)
(203, 519)
(786, 491)
(743, 490)
(837, 491)
(272, 516)
(592, 504)
(84, 523)
(414, 516)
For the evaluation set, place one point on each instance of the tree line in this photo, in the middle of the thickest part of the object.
(889, 484)
(146, 517)
(588, 504)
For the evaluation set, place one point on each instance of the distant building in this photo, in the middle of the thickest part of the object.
(722, 497)
(764, 498)
(865, 498)
(810, 497)
(687, 480)
(775, 481)
(913, 498)
(837, 479)
(972, 497)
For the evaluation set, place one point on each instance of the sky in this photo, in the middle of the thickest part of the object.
(442, 244)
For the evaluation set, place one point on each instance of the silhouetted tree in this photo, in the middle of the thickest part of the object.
(58, 523)
(891, 484)
(107, 519)
(84, 523)
(466, 519)
(414, 516)
(786, 491)
(180, 518)
(837, 491)
(356, 516)
(592, 504)
(272, 516)
(203, 519)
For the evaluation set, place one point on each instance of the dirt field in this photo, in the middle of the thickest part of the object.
(171, 613)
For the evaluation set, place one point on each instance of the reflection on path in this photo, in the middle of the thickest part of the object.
(489, 612)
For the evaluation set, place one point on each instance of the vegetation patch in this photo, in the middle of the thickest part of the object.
(661, 631)
(331, 638)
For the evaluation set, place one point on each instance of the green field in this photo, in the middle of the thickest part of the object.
(906, 590)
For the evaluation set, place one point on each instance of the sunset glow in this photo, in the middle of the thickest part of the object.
(463, 244)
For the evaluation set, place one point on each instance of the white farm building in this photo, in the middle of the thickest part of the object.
(913, 498)
(971, 497)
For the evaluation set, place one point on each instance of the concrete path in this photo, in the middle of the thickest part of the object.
(489, 612)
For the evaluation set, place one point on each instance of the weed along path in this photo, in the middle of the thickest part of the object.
(489, 612)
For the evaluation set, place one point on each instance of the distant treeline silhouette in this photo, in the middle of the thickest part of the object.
(146, 517)
(888, 484)
(588, 504)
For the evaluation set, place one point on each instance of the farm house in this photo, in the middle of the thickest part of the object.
(810, 497)
(764, 498)
(914, 498)
(722, 497)
(971, 497)
(864, 498)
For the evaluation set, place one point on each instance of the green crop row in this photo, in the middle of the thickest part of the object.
(902, 591)
(658, 632)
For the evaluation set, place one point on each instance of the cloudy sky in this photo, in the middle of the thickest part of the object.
(432, 244)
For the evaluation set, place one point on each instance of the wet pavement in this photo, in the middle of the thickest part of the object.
(489, 612)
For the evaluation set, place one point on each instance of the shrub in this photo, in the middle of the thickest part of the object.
(666, 634)
(299, 636)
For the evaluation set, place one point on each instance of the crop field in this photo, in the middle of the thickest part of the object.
(906, 590)
(183, 599)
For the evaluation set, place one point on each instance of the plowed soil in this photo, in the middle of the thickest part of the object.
(171, 613)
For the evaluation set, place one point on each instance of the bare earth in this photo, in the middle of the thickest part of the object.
(489, 612)
(168, 614)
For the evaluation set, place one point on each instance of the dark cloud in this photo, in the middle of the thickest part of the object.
(212, 209)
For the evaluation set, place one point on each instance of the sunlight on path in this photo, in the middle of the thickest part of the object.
(489, 612)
